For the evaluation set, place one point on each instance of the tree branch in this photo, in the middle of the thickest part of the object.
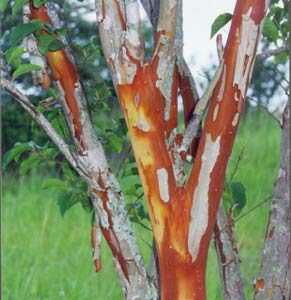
(275, 275)
(221, 123)
(224, 237)
(265, 109)
(44, 123)
(134, 39)
(272, 52)
(227, 256)
(194, 123)
(152, 8)
(108, 201)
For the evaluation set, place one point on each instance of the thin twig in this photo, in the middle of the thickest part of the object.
(194, 123)
(272, 52)
(247, 212)
(123, 157)
(237, 164)
(252, 209)
(266, 109)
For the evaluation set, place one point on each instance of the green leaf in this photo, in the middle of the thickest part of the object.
(68, 171)
(66, 200)
(121, 127)
(14, 153)
(32, 161)
(3, 5)
(54, 183)
(115, 143)
(51, 153)
(86, 204)
(130, 168)
(219, 22)
(270, 30)
(227, 199)
(22, 69)
(239, 196)
(55, 45)
(54, 93)
(38, 3)
(281, 58)
(18, 4)
(129, 183)
(13, 55)
(44, 41)
(22, 30)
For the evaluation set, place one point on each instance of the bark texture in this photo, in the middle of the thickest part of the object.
(182, 212)
(107, 198)
(275, 277)
(227, 255)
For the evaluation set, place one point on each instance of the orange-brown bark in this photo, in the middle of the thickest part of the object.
(64, 71)
(225, 125)
(182, 270)
(169, 219)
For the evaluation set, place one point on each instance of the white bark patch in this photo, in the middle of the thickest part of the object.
(143, 124)
(235, 119)
(246, 51)
(96, 253)
(199, 211)
(136, 100)
(132, 14)
(129, 66)
(172, 3)
(162, 175)
(222, 87)
(164, 83)
(215, 112)
(236, 97)
(132, 36)
(107, 23)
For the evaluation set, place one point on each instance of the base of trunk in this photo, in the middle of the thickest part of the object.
(181, 281)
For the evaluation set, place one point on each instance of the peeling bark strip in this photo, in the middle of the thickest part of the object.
(228, 258)
(96, 244)
(224, 236)
(65, 75)
(275, 275)
(200, 207)
(40, 77)
(221, 123)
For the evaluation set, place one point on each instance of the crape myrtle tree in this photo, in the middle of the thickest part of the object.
(182, 171)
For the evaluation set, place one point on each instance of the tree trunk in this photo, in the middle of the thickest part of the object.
(275, 275)
(183, 215)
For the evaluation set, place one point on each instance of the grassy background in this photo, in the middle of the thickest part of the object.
(45, 256)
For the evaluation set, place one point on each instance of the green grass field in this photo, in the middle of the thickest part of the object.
(47, 257)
